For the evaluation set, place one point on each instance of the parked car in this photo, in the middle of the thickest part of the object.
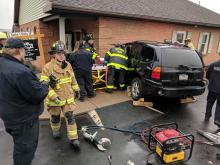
(164, 70)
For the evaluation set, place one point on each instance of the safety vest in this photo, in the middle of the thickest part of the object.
(117, 58)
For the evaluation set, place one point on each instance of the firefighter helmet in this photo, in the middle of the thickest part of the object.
(89, 37)
(57, 47)
(3, 35)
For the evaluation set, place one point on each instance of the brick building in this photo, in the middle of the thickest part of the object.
(112, 21)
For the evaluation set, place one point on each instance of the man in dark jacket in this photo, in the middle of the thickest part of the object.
(89, 46)
(213, 75)
(21, 100)
(82, 63)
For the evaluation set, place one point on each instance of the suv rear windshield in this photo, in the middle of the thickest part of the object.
(172, 57)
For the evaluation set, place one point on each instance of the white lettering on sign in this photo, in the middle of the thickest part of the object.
(28, 45)
(217, 68)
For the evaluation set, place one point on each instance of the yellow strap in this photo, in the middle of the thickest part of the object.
(51, 93)
(110, 86)
(122, 85)
(44, 78)
(118, 66)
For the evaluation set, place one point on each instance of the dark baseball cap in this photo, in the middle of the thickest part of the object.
(14, 43)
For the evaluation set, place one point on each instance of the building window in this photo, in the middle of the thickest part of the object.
(179, 36)
(204, 43)
(218, 51)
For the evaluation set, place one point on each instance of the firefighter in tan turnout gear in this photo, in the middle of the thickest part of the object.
(61, 94)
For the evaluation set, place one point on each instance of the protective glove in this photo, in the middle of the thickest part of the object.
(57, 100)
(77, 95)
(53, 81)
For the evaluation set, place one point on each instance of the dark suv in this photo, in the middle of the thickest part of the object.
(164, 70)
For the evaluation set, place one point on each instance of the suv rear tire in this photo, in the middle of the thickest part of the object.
(136, 88)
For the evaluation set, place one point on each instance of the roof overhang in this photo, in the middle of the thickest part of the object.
(62, 10)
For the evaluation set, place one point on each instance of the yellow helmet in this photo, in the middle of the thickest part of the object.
(3, 35)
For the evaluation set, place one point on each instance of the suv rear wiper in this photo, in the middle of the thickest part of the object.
(184, 67)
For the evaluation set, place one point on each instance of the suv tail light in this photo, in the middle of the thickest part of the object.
(156, 73)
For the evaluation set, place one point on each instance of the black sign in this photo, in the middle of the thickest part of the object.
(31, 49)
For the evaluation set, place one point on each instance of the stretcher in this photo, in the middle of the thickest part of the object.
(99, 76)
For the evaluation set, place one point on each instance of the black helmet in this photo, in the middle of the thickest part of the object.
(120, 45)
(89, 37)
(57, 47)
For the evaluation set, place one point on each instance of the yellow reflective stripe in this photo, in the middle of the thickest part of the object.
(119, 49)
(94, 55)
(75, 87)
(109, 53)
(117, 55)
(122, 85)
(72, 134)
(110, 86)
(131, 69)
(71, 100)
(62, 102)
(55, 127)
(87, 49)
(44, 78)
(119, 66)
(65, 80)
(51, 93)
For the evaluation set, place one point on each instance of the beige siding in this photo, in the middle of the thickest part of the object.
(31, 10)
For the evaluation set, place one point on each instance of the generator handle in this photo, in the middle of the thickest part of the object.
(162, 125)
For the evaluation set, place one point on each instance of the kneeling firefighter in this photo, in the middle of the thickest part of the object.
(116, 59)
(61, 94)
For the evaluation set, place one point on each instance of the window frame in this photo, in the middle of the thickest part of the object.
(200, 43)
(175, 34)
(218, 48)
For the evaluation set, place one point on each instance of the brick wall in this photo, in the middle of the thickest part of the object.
(113, 30)
(108, 31)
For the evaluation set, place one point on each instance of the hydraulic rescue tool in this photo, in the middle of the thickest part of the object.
(99, 143)
(170, 144)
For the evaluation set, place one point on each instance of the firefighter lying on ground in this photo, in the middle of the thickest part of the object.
(61, 94)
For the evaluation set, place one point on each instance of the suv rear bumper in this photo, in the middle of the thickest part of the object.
(175, 92)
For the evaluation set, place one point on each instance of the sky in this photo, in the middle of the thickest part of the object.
(7, 9)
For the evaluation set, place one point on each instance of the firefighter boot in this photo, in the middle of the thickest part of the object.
(75, 143)
(56, 134)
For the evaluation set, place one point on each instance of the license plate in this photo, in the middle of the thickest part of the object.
(183, 77)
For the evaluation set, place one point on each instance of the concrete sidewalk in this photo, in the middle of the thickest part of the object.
(101, 100)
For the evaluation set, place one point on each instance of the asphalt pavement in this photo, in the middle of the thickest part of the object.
(124, 147)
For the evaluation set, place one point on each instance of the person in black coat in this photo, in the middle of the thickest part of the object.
(82, 62)
(21, 100)
(213, 75)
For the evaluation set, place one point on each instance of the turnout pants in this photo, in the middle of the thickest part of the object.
(84, 80)
(25, 137)
(55, 121)
(111, 76)
(211, 99)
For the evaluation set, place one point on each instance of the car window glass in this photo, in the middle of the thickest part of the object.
(147, 54)
(176, 57)
(136, 50)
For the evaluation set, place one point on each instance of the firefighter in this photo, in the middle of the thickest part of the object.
(61, 93)
(116, 59)
(189, 44)
(82, 62)
(213, 75)
(89, 46)
(3, 38)
(22, 101)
